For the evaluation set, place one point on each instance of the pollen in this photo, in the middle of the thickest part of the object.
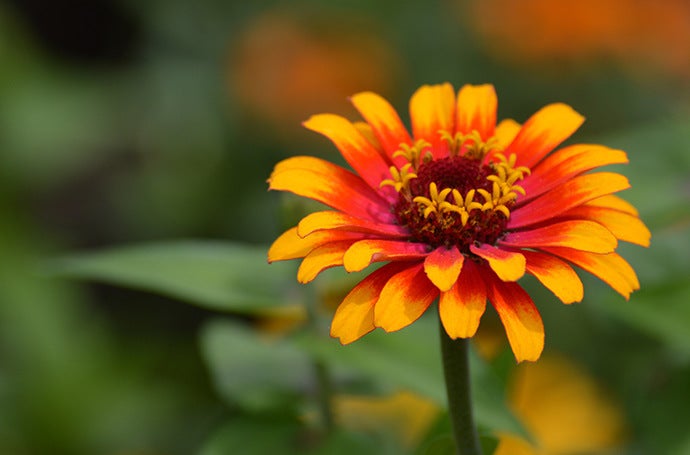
(461, 199)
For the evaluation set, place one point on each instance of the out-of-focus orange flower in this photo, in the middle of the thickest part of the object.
(404, 414)
(283, 68)
(564, 409)
(640, 32)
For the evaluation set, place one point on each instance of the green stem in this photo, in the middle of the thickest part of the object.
(456, 371)
(323, 377)
(324, 381)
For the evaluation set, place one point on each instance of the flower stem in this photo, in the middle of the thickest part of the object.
(325, 392)
(324, 381)
(456, 371)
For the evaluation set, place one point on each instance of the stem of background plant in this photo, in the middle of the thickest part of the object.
(456, 369)
(323, 374)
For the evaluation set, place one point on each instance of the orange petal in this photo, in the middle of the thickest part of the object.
(567, 163)
(321, 258)
(519, 316)
(506, 131)
(329, 219)
(610, 268)
(432, 109)
(508, 265)
(578, 234)
(384, 121)
(556, 275)
(612, 201)
(354, 318)
(363, 157)
(476, 110)
(403, 299)
(623, 226)
(543, 132)
(330, 184)
(291, 246)
(365, 130)
(572, 193)
(462, 306)
(442, 266)
(364, 252)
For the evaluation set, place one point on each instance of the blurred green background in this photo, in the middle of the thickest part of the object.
(128, 128)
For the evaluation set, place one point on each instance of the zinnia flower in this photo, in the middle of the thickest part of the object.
(458, 210)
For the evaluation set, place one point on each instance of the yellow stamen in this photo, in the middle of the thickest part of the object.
(433, 202)
(504, 191)
(508, 165)
(413, 154)
(478, 148)
(475, 147)
(454, 142)
(401, 178)
(462, 207)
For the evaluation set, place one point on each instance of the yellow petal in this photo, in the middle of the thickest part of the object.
(614, 202)
(556, 275)
(383, 120)
(432, 109)
(519, 316)
(578, 234)
(328, 219)
(292, 246)
(442, 266)
(476, 110)
(610, 268)
(404, 299)
(354, 318)
(543, 132)
(574, 192)
(332, 185)
(322, 258)
(624, 226)
(364, 252)
(508, 265)
(506, 131)
(463, 305)
(363, 157)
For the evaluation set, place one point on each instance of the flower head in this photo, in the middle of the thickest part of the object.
(458, 210)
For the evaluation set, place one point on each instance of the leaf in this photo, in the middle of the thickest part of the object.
(489, 443)
(256, 372)
(658, 169)
(216, 275)
(660, 307)
(254, 436)
(410, 359)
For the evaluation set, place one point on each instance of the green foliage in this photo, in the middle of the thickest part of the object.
(257, 373)
(219, 276)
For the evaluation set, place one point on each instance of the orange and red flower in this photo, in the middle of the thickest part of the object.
(459, 210)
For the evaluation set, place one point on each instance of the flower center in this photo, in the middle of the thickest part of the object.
(458, 200)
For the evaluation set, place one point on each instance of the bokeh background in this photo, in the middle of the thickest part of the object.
(128, 128)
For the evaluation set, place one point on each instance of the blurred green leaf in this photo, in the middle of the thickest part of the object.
(410, 359)
(489, 443)
(270, 434)
(658, 170)
(255, 372)
(441, 445)
(254, 436)
(220, 276)
(342, 442)
(660, 308)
